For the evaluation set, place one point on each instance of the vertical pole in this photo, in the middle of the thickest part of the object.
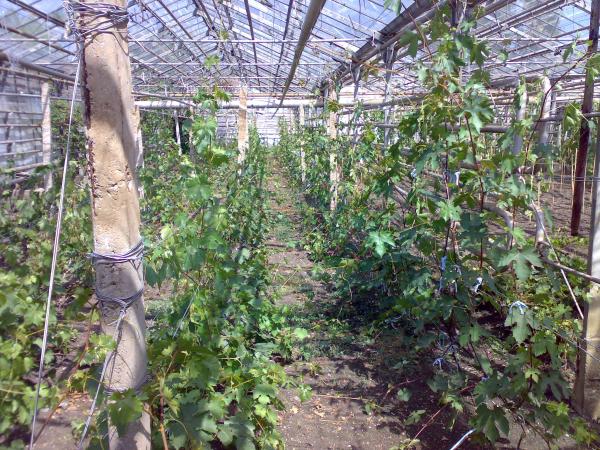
(302, 153)
(242, 127)
(190, 134)
(177, 134)
(587, 384)
(520, 114)
(544, 126)
(139, 148)
(46, 132)
(111, 145)
(334, 169)
(389, 56)
(584, 129)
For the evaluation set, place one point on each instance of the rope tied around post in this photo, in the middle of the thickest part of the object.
(104, 16)
(133, 256)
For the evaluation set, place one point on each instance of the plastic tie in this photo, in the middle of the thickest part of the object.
(518, 304)
(477, 285)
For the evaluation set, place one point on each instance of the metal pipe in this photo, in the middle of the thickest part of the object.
(312, 14)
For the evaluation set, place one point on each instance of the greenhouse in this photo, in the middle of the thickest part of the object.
(301, 224)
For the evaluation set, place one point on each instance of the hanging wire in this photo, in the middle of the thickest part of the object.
(462, 439)
(55, 249)
(109, 357)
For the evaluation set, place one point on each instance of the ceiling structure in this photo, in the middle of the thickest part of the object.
(256, 40)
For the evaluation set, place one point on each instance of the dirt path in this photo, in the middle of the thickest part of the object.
(354, 403)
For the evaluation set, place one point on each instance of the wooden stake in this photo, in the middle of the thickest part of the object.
(111, 124)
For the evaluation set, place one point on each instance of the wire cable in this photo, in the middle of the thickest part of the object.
(55, 249)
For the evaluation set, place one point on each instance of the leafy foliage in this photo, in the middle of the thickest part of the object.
(212, 376)
(27, 227)
(414, 230)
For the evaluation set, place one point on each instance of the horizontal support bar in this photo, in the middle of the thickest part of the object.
(20, 141)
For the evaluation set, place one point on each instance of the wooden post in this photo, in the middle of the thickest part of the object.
(302, 153)
(46, 132)
(177, 134)
(111, 145)
(242, 127)
(334, 169)
(584, 129)
(587, 384)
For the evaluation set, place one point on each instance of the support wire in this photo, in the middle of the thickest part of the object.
(55, 249)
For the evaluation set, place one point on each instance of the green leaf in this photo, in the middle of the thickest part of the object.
(123, 409)
(300, 333)
(491, 422)
(503, 55)
(414, 417)
(411, 40)
(449, 211)
(380, 241)
(403, 395)
(520, 323)
(522, 259)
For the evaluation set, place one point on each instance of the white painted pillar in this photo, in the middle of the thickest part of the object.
(302, 152)
(520, 114)
(190, 134)
(544, 128)
(242, 127)
(177, 133)
(334, 169)
(46, 132)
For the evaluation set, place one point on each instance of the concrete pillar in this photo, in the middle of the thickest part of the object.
(46, 132)
(177, 134)
(334, 169)
(302, 153)
(111, 145)
(242, 126)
